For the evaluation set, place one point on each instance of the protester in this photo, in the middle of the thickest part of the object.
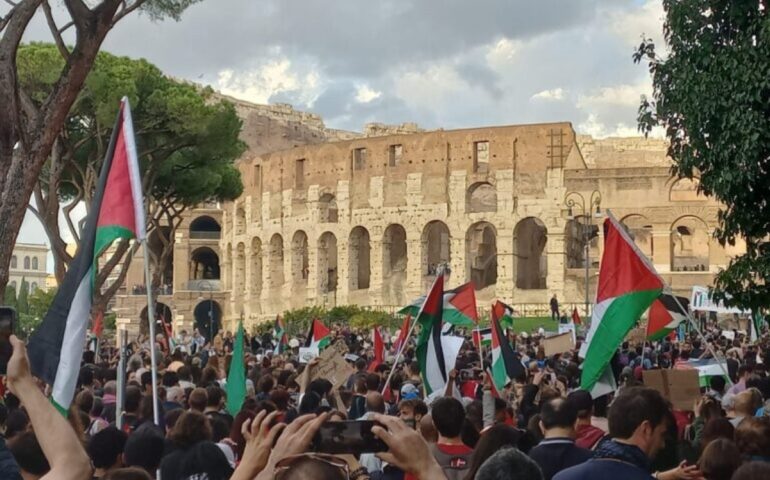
(558, 451)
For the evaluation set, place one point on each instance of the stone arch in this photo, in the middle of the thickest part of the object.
(204, 264)
(436, 247)
(577, 231)
(299, 258)
(640, 230)
(685, 190)
(481, 254)
(240, 221)
(327, 263)
(394, 262)
(34, 263)
(531, 265)
(359, 259)
(276, 261)
(205, 227)
(208, 318)
(690, 243)
(239, 266)
(256, 267)
(327, 209)
(481, 197)
(26, 263)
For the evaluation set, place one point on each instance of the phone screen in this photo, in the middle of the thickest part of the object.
(351, 437)
(7, 320)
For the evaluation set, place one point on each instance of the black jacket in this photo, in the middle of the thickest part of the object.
(557, 454)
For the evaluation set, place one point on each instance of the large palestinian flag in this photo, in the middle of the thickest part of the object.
(504, 314)
(665, 315)
(430, 352)
(505, 364)
(319, 335)
(627, 285)
(117, 211)
(459, 306)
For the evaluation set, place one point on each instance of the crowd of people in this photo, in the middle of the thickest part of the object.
(540, 427)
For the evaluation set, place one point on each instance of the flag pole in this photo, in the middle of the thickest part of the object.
(121, 380)
(151, 320)
(406, 340)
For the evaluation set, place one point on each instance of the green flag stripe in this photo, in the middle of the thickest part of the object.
(620, 316)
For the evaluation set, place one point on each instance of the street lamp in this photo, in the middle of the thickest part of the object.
(573, 200)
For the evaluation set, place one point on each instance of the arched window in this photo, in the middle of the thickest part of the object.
(26, 263)
(34, 263)
(690, 242)
(14, 262)
(481, 254)
(33, 287)
(529, 239)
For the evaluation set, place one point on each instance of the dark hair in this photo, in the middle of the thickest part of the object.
(17, 422)
(717, 383)
(214, 396)
(309, 403)
(172, 416)
(130, 473)
(235, 430)
(447, 413)
(265, 384)
(85, 400)
(144, 448)
(170, 378)
(198, 398)
(509, 463)
(308, 467)
(86, 376)
(191, 428)
(752, 471)
(280, 398)
(719, 460)
(715, 428)
(321, 386)
(184, 373)
(146, 378)
(219, 428)
(105, 447)
(360, 363)
(28, 454)
(133, 397)
(372, 381)
(558, 413)
(633, 407)
(497, 437)
(752, 436)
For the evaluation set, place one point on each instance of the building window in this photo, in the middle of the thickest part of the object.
(395, 155)
(359, 158)
(14, 262)
(481, 157)
(33, 287)
(34, 263)
(299, 173)
(257, 178)
(26, 263)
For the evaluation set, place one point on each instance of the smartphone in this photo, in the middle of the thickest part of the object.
(7, 325)
(352, 437)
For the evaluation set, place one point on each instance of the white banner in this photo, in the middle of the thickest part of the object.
(701, 301)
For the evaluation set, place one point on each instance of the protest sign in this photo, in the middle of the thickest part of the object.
(701, 301)
(558, 344)
(680, 387)
(333, 367)
(307, 353)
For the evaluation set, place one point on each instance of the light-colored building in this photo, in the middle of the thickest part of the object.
(367, 218)
(29, 261)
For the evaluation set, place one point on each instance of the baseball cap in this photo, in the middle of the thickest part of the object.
(409, 392)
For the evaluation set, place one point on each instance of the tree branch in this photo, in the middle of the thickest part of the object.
(125, 10)
(55, 32)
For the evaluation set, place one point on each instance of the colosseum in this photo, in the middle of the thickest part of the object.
(334, 218)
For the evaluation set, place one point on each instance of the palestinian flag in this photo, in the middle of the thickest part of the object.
(756, 326)
(627, 285)
(403, 334)
(379, 350)
(117, 211)
(279, 334)
(505, 366)
(459, 306)
(576, 317)
(430, 352)
(236, 377)
(482, 337)
(504, 314)
(665, 315)
(319, 336)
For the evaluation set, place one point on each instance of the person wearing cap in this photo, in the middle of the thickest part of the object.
(409, 392)
(587, 435)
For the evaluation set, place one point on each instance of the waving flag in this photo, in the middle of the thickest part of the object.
(319, 336)
(482, 338)
(430, 352)
(279, 335)
(505, 365)
(576, 317)
(379, 350)
(459, 306)
(117, 211)
(236, 377)
(504, 314)
(665, 315)
(403, 334)
(627, 285)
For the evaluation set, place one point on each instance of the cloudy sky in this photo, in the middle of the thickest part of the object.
(439, 63)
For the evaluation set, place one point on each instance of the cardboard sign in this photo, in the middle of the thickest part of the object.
(307, 353)
(637, 336)
(333, 367)
(340, 347)
(680, 387)
(558, 344)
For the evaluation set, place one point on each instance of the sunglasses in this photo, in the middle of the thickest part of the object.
(284, 465)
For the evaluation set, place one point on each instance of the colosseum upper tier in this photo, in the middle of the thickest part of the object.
(369, 220)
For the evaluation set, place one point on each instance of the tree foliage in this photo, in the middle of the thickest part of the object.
(29, 129)
(39, 302)
(22, 301)
(298, 321)
(9, 299)
(711, 94)
(187, 143)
